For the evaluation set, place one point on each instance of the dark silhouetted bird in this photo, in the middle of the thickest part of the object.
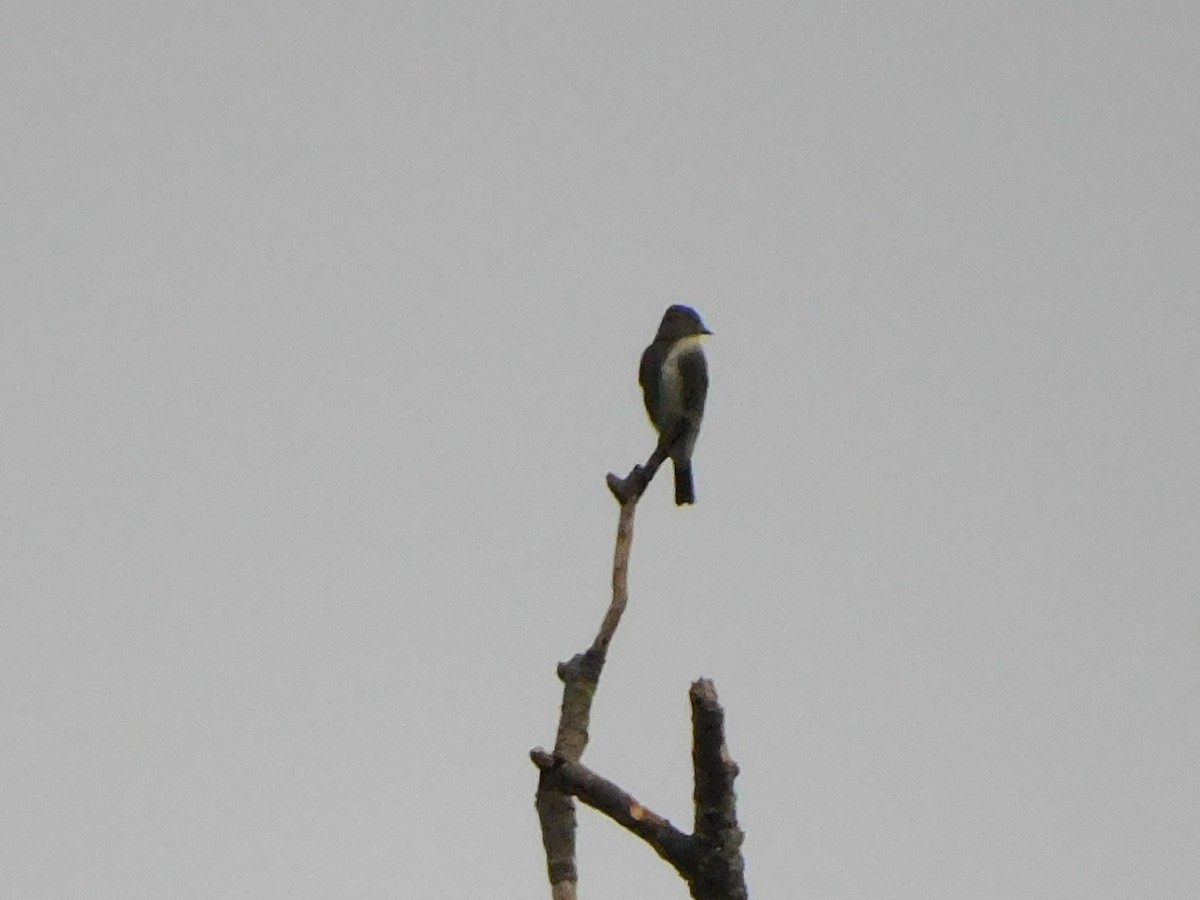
(674, 379)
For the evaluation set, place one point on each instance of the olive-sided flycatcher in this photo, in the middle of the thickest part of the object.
(674, 379)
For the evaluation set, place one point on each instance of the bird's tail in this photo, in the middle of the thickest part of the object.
(685, 491)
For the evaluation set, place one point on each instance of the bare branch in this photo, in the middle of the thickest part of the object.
(717, 834)
(603, 795)
(620, 581)
(710, 860)
(629, 489)
(580, 677)
(556, 812)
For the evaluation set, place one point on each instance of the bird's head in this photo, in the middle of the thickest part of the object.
(679, 322)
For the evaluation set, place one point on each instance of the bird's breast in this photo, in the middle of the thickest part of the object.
(672, 379)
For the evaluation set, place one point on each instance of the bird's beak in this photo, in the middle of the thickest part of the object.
(705, 331)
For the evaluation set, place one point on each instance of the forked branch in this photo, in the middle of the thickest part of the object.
(709, 859)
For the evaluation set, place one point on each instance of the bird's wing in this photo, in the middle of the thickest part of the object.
(648, 378)
(693, 376)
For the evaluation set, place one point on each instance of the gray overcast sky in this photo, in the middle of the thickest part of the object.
(321, 328)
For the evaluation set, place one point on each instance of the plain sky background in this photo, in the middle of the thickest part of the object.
(320, 332)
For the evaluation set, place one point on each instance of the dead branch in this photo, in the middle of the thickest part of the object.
(709, 859)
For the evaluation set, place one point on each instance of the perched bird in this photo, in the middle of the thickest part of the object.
(674, 380)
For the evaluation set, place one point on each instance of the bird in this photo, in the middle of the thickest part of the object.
(674, 379)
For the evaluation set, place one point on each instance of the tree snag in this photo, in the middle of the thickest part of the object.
(710, 858)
